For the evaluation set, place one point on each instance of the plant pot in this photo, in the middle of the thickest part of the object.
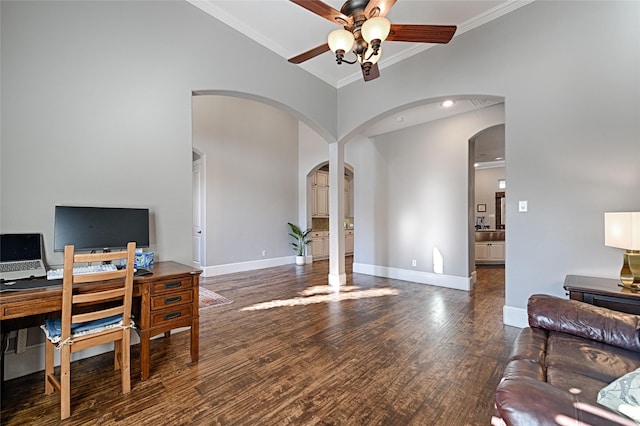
(299, 260)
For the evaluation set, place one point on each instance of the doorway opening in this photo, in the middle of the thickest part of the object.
(487, 182)
(198, 233)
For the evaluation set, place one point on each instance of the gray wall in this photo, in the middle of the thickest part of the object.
(570, 76)
(96, 108)
(251, 152)
(99, 93)
(410, 192)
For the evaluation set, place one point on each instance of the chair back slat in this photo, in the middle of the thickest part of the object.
(95, 315)
(99, 276)
(104, 257)
(98, 296)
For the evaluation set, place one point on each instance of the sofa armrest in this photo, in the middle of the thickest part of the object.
(525, 401)
(585, 320)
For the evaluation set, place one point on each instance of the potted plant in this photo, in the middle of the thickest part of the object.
(300, 242)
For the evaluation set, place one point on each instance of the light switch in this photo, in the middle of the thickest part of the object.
(522, 206)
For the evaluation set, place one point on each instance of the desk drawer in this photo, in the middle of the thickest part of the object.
(171, 286)
(171, 299)
(177, 313)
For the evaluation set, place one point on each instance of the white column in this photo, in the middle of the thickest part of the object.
(337, 275)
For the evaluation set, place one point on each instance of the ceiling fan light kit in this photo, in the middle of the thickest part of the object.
(365, 28)
(340, 42)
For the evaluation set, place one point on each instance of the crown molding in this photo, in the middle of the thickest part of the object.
(212, 9)
(469, 25)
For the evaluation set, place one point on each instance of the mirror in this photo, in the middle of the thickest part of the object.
(500, 210)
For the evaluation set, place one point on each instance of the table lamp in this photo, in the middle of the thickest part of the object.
(622, 230)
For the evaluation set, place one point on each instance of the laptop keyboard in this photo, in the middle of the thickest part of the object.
(20, 266)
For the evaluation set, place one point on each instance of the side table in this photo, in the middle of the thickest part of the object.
(603, 292)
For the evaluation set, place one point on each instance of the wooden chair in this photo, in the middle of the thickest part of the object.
(84, 308)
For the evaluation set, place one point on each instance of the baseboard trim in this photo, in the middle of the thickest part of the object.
(231, 268)
(420, 277)
(516, 317)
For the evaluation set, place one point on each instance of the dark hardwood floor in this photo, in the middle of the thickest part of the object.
(385, 352)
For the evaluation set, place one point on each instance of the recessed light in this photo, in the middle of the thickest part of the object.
(399, 119)
(499, 158)
(448, 103)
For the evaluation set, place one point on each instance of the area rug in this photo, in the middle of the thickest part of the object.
(209, 299)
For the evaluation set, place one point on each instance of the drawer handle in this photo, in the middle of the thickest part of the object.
(174, 284)
(172, 315)
(174, 299)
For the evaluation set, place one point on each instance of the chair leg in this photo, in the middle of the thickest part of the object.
(65, 382)
(48, 366)
(117, 354)
(125, 361)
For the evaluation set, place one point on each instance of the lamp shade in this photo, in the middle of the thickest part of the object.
(622, 230)
(376, 29)
(340, 40)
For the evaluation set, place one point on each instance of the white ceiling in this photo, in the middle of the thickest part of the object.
(288, 30)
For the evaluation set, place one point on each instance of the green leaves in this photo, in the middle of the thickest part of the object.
(300, 237)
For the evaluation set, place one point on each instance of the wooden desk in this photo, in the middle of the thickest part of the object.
(603, 292)
(163, 301)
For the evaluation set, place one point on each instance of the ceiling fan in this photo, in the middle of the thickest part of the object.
(365, 28)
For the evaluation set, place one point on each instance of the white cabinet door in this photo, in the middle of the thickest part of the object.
(348, 242)
(314, 201)
(496, 251)
(490, 252)
(317, 247)
(482, 251)
(322, 178)
(320, 244)
(322, 201)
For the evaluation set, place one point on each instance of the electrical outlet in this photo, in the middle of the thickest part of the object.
(414, 263)
(264, 253)
(522, 206)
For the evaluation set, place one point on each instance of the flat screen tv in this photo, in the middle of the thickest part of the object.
(100, 228)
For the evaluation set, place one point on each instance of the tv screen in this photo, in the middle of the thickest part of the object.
(100, 228)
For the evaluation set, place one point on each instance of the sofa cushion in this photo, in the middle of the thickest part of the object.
(530, 402)
(589, 358)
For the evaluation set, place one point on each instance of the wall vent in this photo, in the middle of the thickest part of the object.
(479, 102)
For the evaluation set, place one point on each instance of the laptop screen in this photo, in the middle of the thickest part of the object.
(15, 247)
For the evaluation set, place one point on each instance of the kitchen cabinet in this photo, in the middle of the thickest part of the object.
(490, 252)
(320, 194)
(319, 244)
(347, 198)
(348, 241)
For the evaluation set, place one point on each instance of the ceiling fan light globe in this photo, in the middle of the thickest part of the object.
(370, 57)
(340, 40)
(376, 29)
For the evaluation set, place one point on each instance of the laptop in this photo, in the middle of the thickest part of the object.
(21, 256)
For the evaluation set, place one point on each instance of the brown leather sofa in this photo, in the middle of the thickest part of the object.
(558, 364)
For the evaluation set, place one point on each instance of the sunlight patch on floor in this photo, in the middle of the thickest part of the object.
(324, 294)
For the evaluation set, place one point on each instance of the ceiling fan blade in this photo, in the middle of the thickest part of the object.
(325, 11)
(422, 33)
(312, 53)
(374, 73)
(382, 6)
